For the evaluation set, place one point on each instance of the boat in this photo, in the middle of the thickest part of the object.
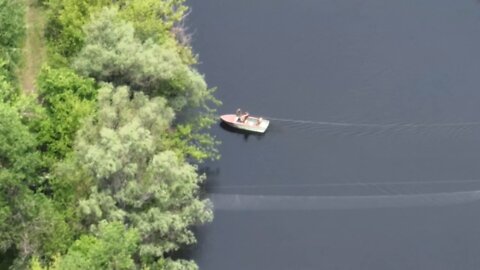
(246, 122)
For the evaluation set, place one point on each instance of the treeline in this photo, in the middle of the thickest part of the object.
(97, 167)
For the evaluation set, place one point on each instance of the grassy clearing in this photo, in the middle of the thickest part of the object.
(34, 47)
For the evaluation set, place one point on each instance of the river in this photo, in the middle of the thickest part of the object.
(387, 173)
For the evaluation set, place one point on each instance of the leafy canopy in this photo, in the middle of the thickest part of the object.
(12, 32)
(137, 181)
(113, 54)
(68, 99)
(29, 222)
(151, 18)
(110, 247)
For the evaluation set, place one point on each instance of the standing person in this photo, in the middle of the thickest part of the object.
(239, 115)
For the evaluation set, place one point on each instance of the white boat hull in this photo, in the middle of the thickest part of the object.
(251, 124)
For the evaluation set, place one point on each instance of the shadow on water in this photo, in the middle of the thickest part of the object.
(246, 134)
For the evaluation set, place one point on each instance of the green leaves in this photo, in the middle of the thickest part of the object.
(106, 166)
(113, 54)
(110, 247)
(65, 21)
(154, 19)
(68, 99)
(12, 32)
(123, 133)
(138, 182)
(11, 18)
(29, 221)
(17, 145)
(55, 81)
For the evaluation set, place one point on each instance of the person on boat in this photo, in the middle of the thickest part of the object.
(259, 121)
(239, 112)
(244, 117)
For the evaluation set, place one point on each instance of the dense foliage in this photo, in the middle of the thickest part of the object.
(110, 246)
(29, 221)
(138, 181)
(12, 31)
(97, 167)
(113, 54)
(67, 98)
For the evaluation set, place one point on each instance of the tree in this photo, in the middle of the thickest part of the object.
(64, 25)
(29, 222)
(11, 35)
(66, 18)
(110, 247)
(68, 99)
(99, 179)
(162, 22)
(154, 19)
(8, 92)
(113, 54)
(11, 23)
(17, 146)
(137, 181)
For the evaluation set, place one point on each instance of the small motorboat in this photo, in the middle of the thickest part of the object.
(246, 122)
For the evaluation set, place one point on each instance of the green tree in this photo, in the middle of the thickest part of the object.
(162, 22)
(8, 91)
(110, 247)
(138, 181)
(103, 184)
(68, 99)
(17, 146)
(113, 54)
(29, 222)
(64, 25)
(11, 23)
(11, 35)
(66, 18)
(152, 19)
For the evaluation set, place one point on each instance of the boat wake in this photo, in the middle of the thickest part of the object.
(288, 202)
(373, 125)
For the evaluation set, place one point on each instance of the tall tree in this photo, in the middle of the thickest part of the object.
(137, 181)
(68, 99)
(110, 247)
(11, 34)
(64, 25)
(29, 222)
(154, 19)
(113, 54)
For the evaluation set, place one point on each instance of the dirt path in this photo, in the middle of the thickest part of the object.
(34, 47)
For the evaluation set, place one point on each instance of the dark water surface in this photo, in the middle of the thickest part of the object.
(390, 176)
